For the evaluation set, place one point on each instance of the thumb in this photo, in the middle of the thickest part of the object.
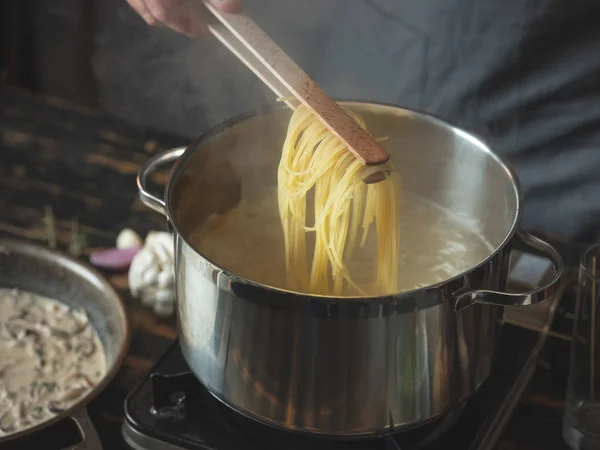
(232, 6)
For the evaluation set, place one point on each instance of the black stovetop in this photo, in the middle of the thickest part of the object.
(170, 410)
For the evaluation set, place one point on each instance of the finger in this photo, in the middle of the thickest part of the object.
(188, 17)
(232, 6)
(139, 6)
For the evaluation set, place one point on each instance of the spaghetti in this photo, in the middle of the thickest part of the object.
(316, 166)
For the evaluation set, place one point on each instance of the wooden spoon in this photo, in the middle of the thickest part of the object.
(286, 79)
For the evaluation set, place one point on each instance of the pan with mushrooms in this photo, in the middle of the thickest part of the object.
(63, 336)
(51, 357)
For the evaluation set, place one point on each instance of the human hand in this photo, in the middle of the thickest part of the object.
(188, 17)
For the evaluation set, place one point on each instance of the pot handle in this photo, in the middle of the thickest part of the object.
(465, 298)
(89, 435)
(146, 171)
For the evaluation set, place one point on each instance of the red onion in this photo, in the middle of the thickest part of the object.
(117, 259)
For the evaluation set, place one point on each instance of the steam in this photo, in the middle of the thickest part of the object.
(155, 78)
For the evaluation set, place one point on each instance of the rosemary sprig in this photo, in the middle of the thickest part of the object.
(77, 239)
(50, 225)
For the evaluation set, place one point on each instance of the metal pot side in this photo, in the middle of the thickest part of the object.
(344, 366)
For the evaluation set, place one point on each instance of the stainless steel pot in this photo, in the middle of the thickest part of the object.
(53, 274)
(343, 366)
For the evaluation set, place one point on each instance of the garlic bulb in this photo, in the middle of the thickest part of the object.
(151, 275)
(128, 238)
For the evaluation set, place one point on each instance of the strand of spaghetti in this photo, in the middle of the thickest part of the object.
(315, 162)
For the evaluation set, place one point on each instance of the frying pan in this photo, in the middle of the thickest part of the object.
(53, 274)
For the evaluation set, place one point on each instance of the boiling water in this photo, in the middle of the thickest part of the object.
(434, 244)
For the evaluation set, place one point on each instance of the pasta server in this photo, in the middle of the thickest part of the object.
(251, 45)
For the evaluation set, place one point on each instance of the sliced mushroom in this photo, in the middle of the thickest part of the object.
(81, 318)
(55, 407)
(4, 334)
(85, 348)
(64, 401)
(37, 412)
(15, 329)
(79, 379)
(8, 421)
(63, 345)
(23, 299)
(4, 395)
(64, 327)
(32, 313)
(22, 410)
(33, 390)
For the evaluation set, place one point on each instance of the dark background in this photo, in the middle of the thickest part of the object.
(530, 94)
(46, 47)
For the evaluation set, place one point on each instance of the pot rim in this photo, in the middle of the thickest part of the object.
(196, 145)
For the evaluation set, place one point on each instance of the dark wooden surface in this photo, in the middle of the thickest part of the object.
(84, 165)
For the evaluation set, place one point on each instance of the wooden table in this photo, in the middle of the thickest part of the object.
(83, 165)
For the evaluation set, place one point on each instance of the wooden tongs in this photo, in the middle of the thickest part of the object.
(286, 79)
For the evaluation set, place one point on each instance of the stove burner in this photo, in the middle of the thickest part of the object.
(170, 393)
(174, 396)
(171, 410)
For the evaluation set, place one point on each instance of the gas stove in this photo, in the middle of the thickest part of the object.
(171, 410)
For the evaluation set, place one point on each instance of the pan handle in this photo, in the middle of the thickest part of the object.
(148, 199)
(90, 439)
(526, 241)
